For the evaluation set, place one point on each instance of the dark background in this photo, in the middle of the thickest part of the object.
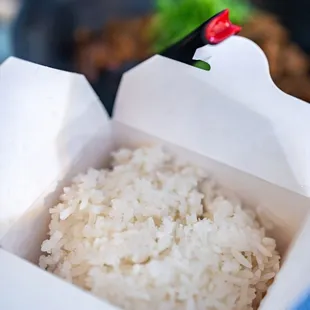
(43, 30)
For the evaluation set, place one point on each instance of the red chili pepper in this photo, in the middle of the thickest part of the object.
(220, 28)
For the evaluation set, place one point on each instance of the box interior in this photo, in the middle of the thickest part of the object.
(28, 232)
(285, 209)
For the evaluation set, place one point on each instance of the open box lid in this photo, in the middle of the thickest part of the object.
(233, 114)
(47, 117)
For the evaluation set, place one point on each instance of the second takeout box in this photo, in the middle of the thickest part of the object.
(233, 121)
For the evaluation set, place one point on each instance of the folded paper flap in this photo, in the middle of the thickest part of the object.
(201, 111)
(240, 69)
(292, 282)
(47, 116)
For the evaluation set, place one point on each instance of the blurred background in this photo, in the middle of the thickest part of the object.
(104, 38)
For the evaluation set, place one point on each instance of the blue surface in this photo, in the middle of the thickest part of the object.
(5, 42)
(304, 303)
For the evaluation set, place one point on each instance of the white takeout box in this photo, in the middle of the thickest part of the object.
(250, 136)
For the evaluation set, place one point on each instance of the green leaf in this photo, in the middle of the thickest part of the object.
(203, 65)
(174, 19)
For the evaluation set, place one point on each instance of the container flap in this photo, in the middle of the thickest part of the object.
(292, 285)
(233, 113)
(47, 117)
(25, 286)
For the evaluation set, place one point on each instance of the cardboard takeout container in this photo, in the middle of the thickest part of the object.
(232, 120)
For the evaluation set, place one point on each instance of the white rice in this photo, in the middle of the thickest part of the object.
(152, 233)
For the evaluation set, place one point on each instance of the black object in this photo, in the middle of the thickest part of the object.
(184, 49)
(213, 31)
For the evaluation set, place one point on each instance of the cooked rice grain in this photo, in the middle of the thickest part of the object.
(152, 233)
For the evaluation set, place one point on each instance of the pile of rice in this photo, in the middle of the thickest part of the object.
(153, 233)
